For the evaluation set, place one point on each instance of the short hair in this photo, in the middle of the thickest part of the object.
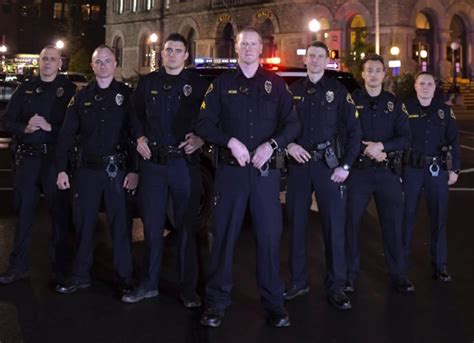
(176, 37)
(372, 57)
(104, 46)
(318, 44)
(424, 73)
(51, 46)
(250, 29)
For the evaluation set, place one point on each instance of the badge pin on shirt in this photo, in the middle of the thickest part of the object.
(119, 99)
(329, 96)
(441, 114)
(60, 92)
(268, 86)
(187, 90)
(390, 106)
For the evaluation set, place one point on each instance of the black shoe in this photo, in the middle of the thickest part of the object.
(139, 294)
(191, 301)
(122, 287)
(212, 317)
(340, 301)
(72, 286)
(12, 275)
(404, 286)
(442, 275)
(278, 317)
(293, 291)
(349, 287)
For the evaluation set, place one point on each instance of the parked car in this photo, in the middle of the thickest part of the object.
(79, 79)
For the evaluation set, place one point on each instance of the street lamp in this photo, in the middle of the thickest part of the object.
(3, 50)
(153, 39)
(454, 47)
(395, 64)
(314, 26)
(59, 44)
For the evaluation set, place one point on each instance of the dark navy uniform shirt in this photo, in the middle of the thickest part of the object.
(252, 110)
(47, 99)
(383, 119)
(100, 121)
(327, 110)
(166, 107)
(433, 127)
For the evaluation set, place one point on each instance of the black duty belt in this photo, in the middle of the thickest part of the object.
(110, 163)
(316, 155)
(162, 154)
(275, 161)
(364, 162)
(35, 150)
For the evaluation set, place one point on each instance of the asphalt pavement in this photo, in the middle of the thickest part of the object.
(30, 311)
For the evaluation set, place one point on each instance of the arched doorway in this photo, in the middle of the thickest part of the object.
(118, 49)
(226, 43)
(424, 52)
(267, 30)
(191, 38)
(357, 32)
(458, 34)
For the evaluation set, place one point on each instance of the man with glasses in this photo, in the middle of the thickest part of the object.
(98, 121)
(34, 116)
(376, 172)
(166, 105)
(248, 114)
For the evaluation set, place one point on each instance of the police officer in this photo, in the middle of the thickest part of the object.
(376, 172)
(248, 114)
(330, 121)
(98, 119)
(433, 163)
(166, 107)
(34, 116)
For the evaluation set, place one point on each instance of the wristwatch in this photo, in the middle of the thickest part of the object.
(346, 167)
(273, 144)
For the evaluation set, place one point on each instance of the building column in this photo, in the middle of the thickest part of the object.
(445, 67)
(470, 55)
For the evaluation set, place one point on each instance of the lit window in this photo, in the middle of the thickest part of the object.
(58, 10)
(148, 4)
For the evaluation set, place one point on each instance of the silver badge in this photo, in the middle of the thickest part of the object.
(268, 86)
(390, 106)
(441, 114)
(119, 99)
(187, 90)
(329, 96)
(60, 92)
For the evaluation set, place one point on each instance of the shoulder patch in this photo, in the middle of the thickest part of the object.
(451, 113)
(210, 89)
(404, 109)
(349, 99)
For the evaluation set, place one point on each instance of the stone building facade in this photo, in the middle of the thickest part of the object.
(423, 30)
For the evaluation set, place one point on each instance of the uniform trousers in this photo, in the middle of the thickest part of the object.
(237, 188)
